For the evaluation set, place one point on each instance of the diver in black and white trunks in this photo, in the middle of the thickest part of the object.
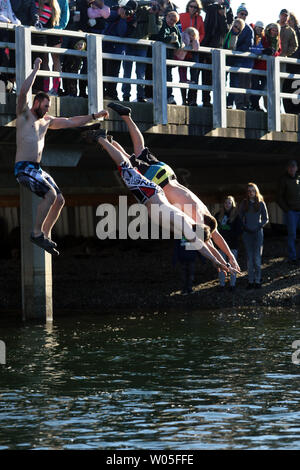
(151, 194)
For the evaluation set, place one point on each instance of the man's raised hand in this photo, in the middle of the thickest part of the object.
(37, 63)
(104, 114)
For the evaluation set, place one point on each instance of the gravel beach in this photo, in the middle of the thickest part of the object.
(138, 276)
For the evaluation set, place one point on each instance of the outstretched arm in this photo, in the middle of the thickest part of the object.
(22, 98)
(219, 264)
(233, 267)
(76, 121)
(221, 243)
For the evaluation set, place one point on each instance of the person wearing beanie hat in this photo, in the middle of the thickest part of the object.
(259, 24)
(244, 43)
(242, 8)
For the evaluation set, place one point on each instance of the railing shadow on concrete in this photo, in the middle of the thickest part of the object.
(217, 64)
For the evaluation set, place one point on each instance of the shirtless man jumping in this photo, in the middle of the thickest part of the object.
(32, 126)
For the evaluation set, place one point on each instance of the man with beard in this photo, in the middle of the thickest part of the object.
(32, 125)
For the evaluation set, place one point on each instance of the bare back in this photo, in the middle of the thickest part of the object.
(31, 133)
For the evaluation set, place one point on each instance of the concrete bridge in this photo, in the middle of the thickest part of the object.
(214, 151)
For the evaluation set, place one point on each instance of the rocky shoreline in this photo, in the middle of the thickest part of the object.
(138, 276)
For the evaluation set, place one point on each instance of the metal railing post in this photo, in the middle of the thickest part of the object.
(95, 73)
(159, 73)
(219, 85)
(23, 57)
(273, 80)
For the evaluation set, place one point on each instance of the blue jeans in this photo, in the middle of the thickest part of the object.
(140, 70)
(292, 222)
(254, 246)
(222, 276)
(238, 80)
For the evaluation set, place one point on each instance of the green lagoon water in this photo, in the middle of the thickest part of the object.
(201, 380)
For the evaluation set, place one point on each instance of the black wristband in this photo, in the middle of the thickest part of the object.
(94, 117)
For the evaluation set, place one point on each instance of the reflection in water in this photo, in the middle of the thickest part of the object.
(215, 380)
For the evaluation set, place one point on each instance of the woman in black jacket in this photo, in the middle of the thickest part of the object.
(26, 11)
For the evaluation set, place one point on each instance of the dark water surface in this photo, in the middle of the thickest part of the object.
(201, 380)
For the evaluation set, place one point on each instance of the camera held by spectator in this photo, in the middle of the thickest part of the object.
(130, 8)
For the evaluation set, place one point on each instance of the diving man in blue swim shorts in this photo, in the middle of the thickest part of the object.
(150, 194)
(32, 126)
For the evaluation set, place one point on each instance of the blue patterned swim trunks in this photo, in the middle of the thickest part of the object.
(31, 175)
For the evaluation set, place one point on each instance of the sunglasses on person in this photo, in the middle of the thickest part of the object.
(243, 14)
(193, 6)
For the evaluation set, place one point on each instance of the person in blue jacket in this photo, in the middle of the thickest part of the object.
(119, 23)
(244, 44)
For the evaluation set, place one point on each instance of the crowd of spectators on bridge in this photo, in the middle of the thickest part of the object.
(158, 20)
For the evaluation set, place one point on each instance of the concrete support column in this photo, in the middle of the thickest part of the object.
(36, 265)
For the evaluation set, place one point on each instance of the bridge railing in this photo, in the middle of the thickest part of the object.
(216, 64)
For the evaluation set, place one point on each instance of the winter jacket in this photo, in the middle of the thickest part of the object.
(253, 220)
(289, 42)
(288, 193)
(145, 24)
(244, 44)
(182, 54)
(196, 22)
(116, 26)
(230, 230)
(99, 15)
(296, 54)
(264, 44)
(165, 35)
(64, 14)
(7, 14)
(216, 26)
(26, 11)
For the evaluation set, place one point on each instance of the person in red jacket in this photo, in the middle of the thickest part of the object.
(193, 18)
(270, 44)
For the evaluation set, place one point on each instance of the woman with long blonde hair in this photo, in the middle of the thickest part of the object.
(254, 215)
